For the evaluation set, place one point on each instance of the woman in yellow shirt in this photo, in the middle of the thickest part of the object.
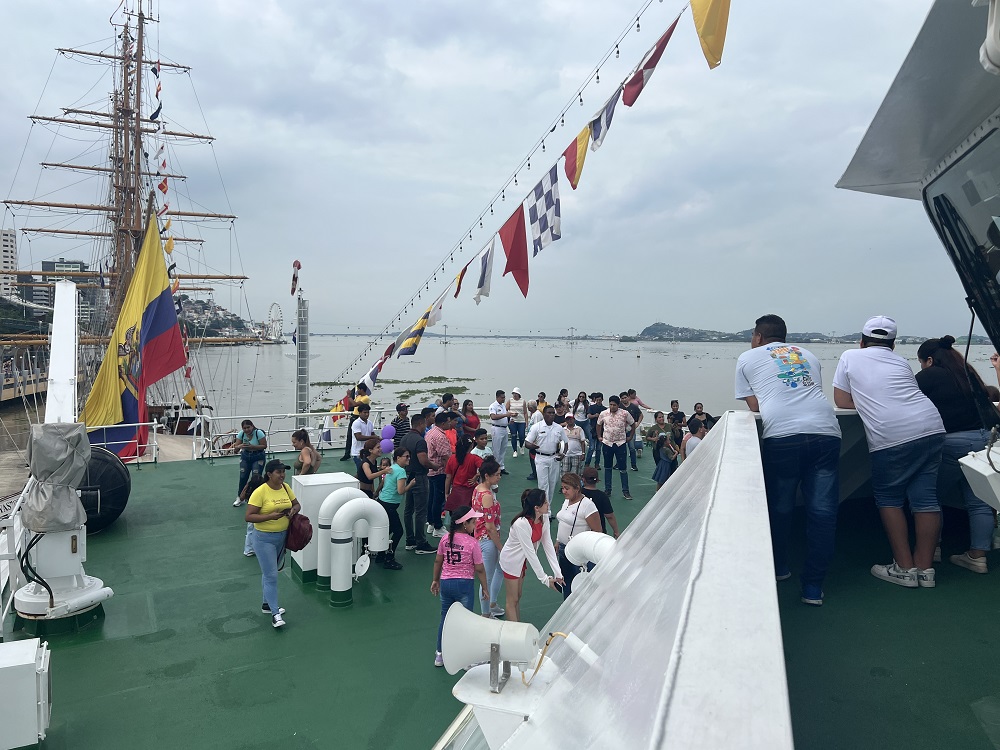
(268, 509)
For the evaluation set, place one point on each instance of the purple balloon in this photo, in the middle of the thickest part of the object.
(386, 445)
(388, 432)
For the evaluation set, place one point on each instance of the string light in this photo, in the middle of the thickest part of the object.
(596, 78)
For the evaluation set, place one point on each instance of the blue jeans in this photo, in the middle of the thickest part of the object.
(251, 462)
(455, 590)
(956, 445)
(517, 433)
(435, 503)
(615, 453)
(908, 471)
(248, 542)
(812, 461)
(594, 448)
(269, 546)
(631, 452)
(494, 576)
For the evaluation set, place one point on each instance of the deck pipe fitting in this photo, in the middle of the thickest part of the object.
(334, 502)
(342, 534)
(589, 547)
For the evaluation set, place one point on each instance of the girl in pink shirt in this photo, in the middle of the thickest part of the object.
(459, 561)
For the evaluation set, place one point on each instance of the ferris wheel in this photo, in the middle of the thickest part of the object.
(275, 323)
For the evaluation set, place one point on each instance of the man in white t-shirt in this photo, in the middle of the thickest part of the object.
(362, 428)
(548, 440)
(800, 447)
(905, 437)
(499, 419)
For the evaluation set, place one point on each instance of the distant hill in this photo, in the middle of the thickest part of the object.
(667, 332)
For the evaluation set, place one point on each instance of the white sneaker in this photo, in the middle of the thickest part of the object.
(925, 578)
(975, 564)
(515, 454)
(430, 529)
(277, 621)
(237, 503)
(895, 574)
(439, 533)
(438, 659)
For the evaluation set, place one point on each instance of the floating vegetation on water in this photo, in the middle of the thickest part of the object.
(424, 394)
(388, 381)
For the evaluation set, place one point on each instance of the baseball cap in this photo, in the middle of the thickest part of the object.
(880, 327)
(569, 415)
(400, 407)
(275, 464)
(517, 391)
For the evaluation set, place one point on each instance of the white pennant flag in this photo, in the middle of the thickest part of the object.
(485, 271)
(434, 315)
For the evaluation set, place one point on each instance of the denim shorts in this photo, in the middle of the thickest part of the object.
(908, 472)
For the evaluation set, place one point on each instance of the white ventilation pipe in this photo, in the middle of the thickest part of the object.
(342, 534)
(334, 502)
(589, 547)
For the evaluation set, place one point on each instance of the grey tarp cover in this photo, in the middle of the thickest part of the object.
(58, 455)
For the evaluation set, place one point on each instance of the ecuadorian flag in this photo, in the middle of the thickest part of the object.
(145, 347)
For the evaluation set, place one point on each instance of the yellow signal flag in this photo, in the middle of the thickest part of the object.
(190, 400)
(711, 17)
(169, 245)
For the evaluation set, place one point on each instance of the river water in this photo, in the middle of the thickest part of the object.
(659, 371)
(261, 380)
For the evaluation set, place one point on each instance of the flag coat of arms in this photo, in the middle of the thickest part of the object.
(543, 211)
(145, 347)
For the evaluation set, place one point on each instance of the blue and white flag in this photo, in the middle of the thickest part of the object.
(602, 121)
(543, 211)
(485, 271)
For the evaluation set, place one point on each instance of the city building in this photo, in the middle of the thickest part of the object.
(51, 270)
(8, 261)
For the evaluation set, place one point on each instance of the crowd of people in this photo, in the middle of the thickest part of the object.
(448, 461)
(917, 427)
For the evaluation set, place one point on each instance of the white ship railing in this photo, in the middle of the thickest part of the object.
(147, 452)
(682, 616)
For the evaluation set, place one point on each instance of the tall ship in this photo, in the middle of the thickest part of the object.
(108, 161)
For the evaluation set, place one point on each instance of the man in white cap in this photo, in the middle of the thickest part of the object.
(548, 440)
(518, 409)
(905, 437)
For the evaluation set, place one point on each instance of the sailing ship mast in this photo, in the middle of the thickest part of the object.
(129, 176)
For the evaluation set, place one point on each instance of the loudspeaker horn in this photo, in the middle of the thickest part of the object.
(467, 637)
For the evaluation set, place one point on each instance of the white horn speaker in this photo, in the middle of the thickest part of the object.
(467, 637)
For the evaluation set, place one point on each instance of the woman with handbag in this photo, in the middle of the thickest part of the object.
(577, 514)
(269, 509)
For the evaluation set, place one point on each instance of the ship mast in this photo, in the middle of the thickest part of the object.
(132, 170)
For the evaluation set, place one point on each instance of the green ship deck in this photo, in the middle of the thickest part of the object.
(184, 658)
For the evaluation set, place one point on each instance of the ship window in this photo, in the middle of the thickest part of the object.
(964, 205)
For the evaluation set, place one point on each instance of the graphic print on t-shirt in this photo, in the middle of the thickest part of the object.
(793, 368)
(453, 555)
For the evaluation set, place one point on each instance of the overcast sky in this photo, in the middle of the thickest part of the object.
(364, 139)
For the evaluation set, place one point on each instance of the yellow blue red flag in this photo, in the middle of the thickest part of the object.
(145, 347)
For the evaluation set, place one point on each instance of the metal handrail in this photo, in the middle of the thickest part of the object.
(11, 535)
